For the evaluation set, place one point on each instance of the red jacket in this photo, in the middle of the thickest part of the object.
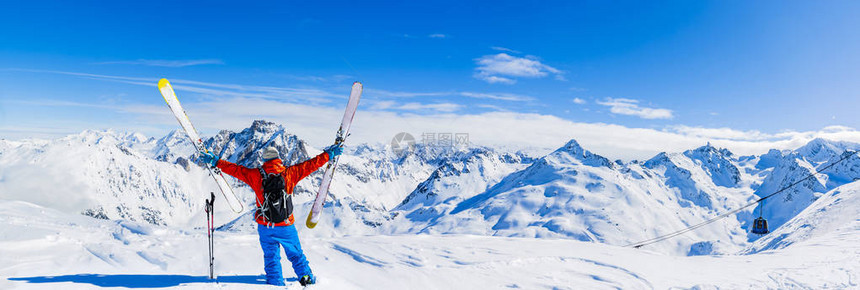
(291, 174)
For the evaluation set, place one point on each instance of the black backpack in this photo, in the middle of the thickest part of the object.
(277, 205)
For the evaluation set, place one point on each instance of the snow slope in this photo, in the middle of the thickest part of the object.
(836, 213)
(798, 164)
(573, 193)
(55, 250)
(96, 173)
(462, 176)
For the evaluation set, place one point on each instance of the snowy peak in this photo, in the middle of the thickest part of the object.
(572, 193)
(573, 152)
(466, 174)
(718, 163)
(264, 126)
(431, 154)
(770, 159)
(661, 158)
(172, 146)
(822, 153)
(706, 176)
(791, 169)
(453, 181)
(93, 137)
(821, 150)
(709, 150)
(246, 147)
(799, 164)
(678, 172)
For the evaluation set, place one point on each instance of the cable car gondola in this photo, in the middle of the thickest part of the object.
(760, 224)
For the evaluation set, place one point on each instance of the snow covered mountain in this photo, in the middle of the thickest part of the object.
(835, 213)
(706, 177)
(574, 193)
(370, 180)
(174, 148)
(788, 168)
(246, 147)
(462, 176)
(98, 174)
(570, 193)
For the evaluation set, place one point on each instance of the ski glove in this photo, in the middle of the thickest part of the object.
(334, 150)
(208, 158)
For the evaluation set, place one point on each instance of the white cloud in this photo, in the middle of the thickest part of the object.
(499, 48)
(721, 133)
(441, 107)
(166, 63)
(333, 78)
(542, 133)
(497, 80)
(383, 105)
(498, 96)
(437, 35)
(502, 68)
(284, 93)
(392, 94)
(61, 103)
(493, 96)
(414, 106)
(757, 136)
(216, 89)
(379, 123)
(492, 107)
(578, 101)
(510, 129)
(631, 107)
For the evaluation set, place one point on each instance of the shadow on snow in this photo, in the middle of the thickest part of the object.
(143, 280)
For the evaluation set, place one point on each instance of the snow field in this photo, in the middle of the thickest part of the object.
(53, 250)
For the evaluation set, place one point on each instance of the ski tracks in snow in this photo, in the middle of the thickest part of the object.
(358, 257)
(488, 265)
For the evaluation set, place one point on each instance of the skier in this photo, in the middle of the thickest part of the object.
(274, 235)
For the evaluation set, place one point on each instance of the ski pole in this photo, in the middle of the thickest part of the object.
(210, 231)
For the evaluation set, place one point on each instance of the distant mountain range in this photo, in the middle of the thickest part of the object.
(570, 193)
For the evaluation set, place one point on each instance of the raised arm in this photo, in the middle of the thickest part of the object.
(240, 172)
(302, 170)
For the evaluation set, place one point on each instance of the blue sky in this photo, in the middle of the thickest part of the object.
(740, 71)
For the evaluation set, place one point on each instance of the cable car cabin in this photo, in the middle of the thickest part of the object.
(760, 226)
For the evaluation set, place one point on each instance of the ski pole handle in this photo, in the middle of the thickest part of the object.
(210, 203)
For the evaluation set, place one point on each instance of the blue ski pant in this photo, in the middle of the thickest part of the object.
(271, 240)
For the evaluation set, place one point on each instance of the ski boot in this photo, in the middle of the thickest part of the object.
(308, 280)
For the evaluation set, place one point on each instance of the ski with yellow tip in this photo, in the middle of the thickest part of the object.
(170, 97)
